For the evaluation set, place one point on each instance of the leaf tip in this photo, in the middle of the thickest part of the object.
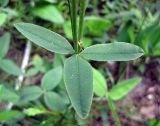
(82, 115)
(141, 52)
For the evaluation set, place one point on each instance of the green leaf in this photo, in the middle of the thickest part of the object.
(11, 96)
(30, 93)
(10, 12)
(117, 51)
(52, 78)
(10, 67)
(87, 42)
(99, 84)
(51, 1)
(32, 72)
(96, 26)
(153, 122)
(1, 89)
(49, 13)
(9, 115)
(45, 38)
(123, 88)
(54, 101)
(3, 18)
(4, 44)
(37, 61)
(78, 78)
(34, 111)
(4, 2)
(36, 64)
(123, 34)
(90, 24)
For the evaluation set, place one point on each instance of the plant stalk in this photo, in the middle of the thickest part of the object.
(25, 62)
(113, 111)
(83, 4)
(74, 23)
(69, 5)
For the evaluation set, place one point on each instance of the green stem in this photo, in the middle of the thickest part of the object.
(69, 5)
(113, 110)
(74, 23)
(70, 11)
(83, 4)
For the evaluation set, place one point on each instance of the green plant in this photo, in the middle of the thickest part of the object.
(117, 92)
(153, 122)
(48, 13)
(78, 73)
(7, 65)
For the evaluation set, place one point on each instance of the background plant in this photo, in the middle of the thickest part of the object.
(41, 65)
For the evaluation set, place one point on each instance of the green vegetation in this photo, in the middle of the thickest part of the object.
(84, 69)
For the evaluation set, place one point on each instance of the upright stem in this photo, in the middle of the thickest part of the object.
(113, 110)
(70, 11)
(74, 23)
(83, 4)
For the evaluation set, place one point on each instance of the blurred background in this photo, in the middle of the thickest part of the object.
(24, 102)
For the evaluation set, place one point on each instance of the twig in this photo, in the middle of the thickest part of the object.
(23, 67)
